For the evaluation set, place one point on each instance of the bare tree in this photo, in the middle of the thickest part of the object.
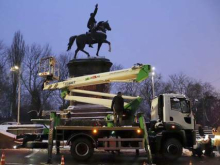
(2, 52)
(15, 56)
(32, 82)
(208, 105)
(63, 60)
(4, 84)
(179, 83)
(115, 87)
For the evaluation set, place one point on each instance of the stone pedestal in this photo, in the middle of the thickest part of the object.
(81, 67)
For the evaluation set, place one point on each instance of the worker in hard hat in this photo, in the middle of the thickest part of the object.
(118, 108)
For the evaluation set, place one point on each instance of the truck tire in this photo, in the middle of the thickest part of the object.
(172, 149)
(82, 149)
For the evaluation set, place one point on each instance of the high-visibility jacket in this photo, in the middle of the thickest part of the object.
(217, 136)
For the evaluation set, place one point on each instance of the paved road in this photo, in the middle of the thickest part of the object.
(35, 157)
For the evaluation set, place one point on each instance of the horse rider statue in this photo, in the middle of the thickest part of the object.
(96, 35)
(92, 25)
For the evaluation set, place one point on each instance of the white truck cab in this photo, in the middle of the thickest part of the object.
(174, 108)
(172, 124)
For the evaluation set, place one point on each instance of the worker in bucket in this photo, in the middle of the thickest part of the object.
(118, 108)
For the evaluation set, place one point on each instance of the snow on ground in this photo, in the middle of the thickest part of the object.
(187, 152)
(8, 134)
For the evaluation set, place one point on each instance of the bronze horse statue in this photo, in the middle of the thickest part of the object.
(98, 36)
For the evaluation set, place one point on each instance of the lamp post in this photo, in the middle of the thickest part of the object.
(152, 78)
(14, 69)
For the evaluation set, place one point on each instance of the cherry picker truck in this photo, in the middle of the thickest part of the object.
(171, 127)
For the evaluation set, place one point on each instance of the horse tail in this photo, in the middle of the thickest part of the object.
(71, 41)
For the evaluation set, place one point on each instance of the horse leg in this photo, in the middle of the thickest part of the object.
(85, 52)
(109, 44)
(81, 45)
(76, 51)
(99, 46)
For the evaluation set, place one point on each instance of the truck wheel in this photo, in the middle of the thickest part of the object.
(82, 149)
(172, 149)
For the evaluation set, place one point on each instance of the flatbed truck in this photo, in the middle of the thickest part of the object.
(171, 127)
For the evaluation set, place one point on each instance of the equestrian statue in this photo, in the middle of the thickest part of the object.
(95, 35)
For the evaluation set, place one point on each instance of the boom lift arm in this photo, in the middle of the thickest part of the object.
(137, 73)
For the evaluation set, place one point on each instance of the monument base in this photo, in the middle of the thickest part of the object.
(87, 66)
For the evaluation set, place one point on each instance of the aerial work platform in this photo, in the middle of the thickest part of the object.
(103, 137)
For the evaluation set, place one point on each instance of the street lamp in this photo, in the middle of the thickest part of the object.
(152, 78)
(14, 69)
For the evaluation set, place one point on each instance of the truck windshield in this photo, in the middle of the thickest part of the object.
(180, 104)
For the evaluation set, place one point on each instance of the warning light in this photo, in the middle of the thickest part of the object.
(95, 131)
(138, 131)
(173, 126)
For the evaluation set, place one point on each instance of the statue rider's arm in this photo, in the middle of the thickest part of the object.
(95, 11)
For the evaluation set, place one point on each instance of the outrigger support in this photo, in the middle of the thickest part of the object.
(54, 121)
(50, 142)
(147, 144)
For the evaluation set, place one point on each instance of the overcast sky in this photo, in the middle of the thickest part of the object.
(172, 35)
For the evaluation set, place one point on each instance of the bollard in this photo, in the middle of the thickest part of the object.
(3, 159)
(190, 163)
(144, 163)
(62, 161)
